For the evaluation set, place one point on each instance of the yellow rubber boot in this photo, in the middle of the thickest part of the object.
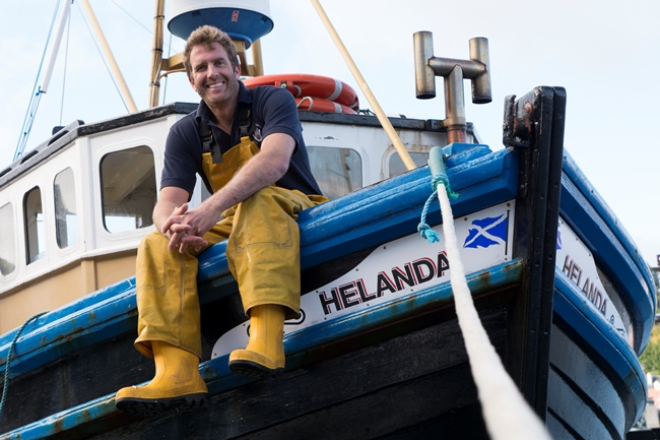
(264, 354)
(177, 383)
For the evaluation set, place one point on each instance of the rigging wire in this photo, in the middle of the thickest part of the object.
(107, 67)
(66, 63)
(150, 32)
(140, 23)
(133, 18)
(167, 77)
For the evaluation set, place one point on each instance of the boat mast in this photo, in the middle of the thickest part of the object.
(158, 63)
(156, 53)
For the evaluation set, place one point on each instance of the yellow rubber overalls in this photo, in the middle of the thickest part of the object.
(263, 252)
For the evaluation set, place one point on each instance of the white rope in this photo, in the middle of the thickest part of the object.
(506, 413)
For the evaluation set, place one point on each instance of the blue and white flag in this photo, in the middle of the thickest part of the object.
(559, 237)
(487, 232)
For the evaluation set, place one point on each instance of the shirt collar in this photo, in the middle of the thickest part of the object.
(244, 97)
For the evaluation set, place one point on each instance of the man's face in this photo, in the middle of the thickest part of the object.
(213, 76)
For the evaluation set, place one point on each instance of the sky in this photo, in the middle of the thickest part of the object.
(603, 52)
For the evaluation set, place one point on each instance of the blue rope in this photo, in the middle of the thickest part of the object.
(424, 229)
(7, 363)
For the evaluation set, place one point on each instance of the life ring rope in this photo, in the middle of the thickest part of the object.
(309, 103)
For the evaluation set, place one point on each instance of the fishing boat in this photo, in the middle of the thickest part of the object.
(564, 296)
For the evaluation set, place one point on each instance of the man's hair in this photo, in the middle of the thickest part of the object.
(205, 36)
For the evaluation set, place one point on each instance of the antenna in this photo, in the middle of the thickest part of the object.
(427, 67)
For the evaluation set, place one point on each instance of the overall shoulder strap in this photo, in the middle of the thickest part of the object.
(209, 145)
(245, 122)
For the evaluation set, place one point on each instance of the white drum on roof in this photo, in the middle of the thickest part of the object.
(178, 7)
(246, 20)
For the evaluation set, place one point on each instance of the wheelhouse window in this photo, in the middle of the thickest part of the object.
(35, 236)
(66, 219)
(396, 164)
(128, 183)
(7, 237)
(338, 171)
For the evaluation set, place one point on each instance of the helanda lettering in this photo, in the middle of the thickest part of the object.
(588, 287)
(386, 282)
(594, 295)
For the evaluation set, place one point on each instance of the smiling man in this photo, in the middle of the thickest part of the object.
(247, 146)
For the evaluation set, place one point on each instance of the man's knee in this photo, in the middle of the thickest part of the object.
(155, 241)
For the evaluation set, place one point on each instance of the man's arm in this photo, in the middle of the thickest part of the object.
(169, 199)
(263, 169)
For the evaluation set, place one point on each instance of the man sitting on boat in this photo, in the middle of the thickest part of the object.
(248, 148)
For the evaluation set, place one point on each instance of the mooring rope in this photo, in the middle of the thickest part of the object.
(423, 228)
(506, 413)
(5, 385)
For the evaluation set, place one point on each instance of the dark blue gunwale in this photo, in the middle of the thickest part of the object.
(613, 250)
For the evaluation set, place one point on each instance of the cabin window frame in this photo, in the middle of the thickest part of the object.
(413, 154)
(360, 168)
(32, 230)
(12, 234)
(102, 195)
(56, 212)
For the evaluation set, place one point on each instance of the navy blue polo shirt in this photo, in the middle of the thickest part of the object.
(273, 111)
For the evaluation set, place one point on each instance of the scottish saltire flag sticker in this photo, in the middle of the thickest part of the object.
(559, 237)
(486, 232)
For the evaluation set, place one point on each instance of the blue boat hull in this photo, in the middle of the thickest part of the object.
(397, 369)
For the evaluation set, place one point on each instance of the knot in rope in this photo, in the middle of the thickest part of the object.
(424, 229)
(442, 178)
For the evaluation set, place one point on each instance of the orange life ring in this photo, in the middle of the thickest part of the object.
(318, 105)
(316, 86)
